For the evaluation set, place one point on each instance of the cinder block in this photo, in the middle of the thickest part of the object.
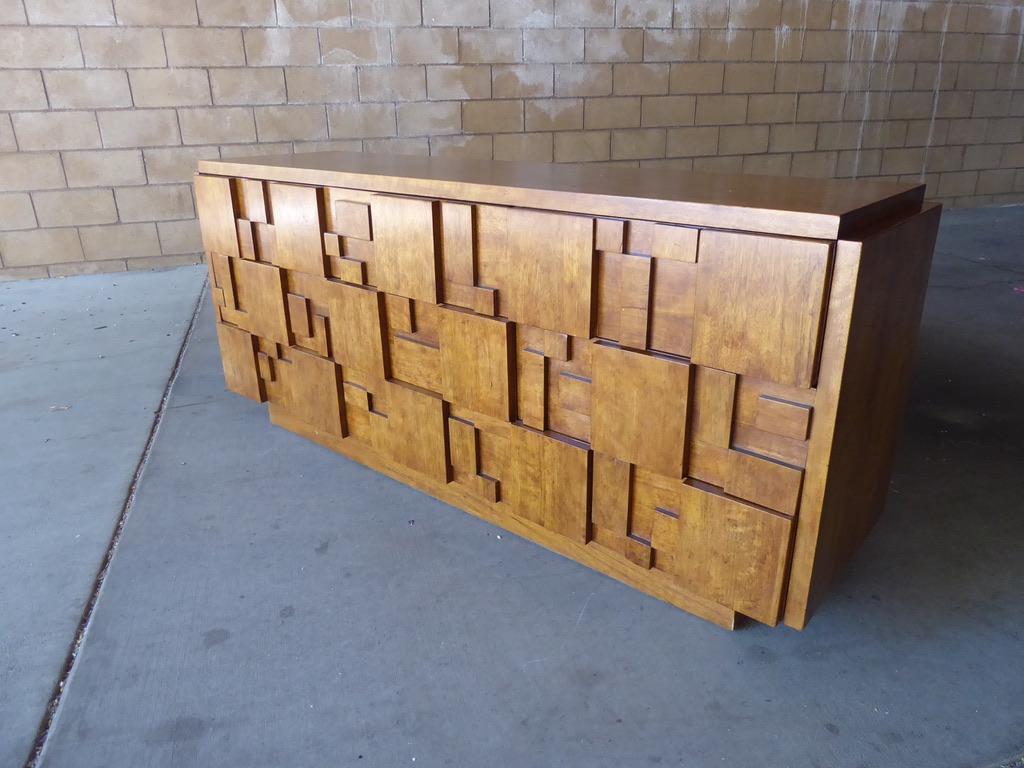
(583, 146)
(237, 13)
(392, 84)
(553, 46)
(16, 211)
(458, 82)
(287, 123)
(356, 121)
(385, 13)
(243, 85)
(30, 170)
(492, 116)
(526, 147)
(33, 47)
(455, 13)
(30, 247)
(119, 241)
(321, 84)
(583, 80)
(21, 89)
(312, 13)
(554, 114)
(123, 47)
(203, 47)
(173, 164)
(170, 87)
(155, 13)
(139, 128)
(355, 46)
(429, 118)
(490, 46)
(217, 125)
(56, 130)
(104, 168)
(155, 202)
(516, 81)
(87, 89)
(281, 46)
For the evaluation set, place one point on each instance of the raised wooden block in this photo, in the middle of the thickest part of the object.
(693, 385)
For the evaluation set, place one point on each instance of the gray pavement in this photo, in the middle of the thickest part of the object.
(273, 604)
(83, 365)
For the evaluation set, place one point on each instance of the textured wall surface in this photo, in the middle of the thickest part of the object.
(105, 105)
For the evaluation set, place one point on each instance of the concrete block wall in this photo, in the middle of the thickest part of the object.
(106, 105)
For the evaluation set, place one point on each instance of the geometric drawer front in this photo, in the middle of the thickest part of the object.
(587, 357)
(760, 304)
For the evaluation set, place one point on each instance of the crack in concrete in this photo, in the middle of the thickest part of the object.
(53, 706)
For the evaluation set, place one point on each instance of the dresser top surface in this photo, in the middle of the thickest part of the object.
(821, 208)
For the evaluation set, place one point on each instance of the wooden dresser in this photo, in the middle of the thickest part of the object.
(692, 383)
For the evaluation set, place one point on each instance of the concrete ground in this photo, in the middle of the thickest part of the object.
(271, 603)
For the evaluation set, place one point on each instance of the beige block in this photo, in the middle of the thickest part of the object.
(427, 118)
(584, 13)
(70, 12)
(70, 207)
(425, 46)
(392, 84)
(749, 77)
(790, 137)
(56, 130)
(155, 13)
(753, 14)
(16, 211)
(994, 181)
(640, 79)
(612, 112)
(481, 147)
(984, 156)
(700, 14)
(217, 125)
(71, 269)
(492, 116)
(701, 77)
(21, 89)
(385, 13)
(282, 46)
(668, 110)
(671, 45)
(859, 163)
(33, 47)
(321, 84)
(28, 171)
(123, 47)
(244, 85)
(87, 89)
(395, 146)
(12, 12)
(582, 146)
(553, 46)
(458, 82)
(691, 142)
(155, 202)
(777, 45)
(139, 128)
(855, 15)
(554, 114)
(796, 78)
(607, 45)
(726, 45)
(176, 164)
(524, 147)
(819, 165)
(828, 45)
(104, 168)
(7, 141)
(819, 107)
(237, 13)
(976, 76)
(720, 110)
(515, 81)
(358, 121)
(288, 123)
(39, 246)
(120, 241)
(490, 46)
(170, 87)
(644, 13)
(771, 108)
(455, 13)
(742, 139)
(22, 273)
(163, 262)
(767, 165)
(807, 14)
(583, 80)
(331, 145)
(204, 47)
(522, 13)
(313, 13)
(638, 143)
(1005, 131)
(180, 236)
